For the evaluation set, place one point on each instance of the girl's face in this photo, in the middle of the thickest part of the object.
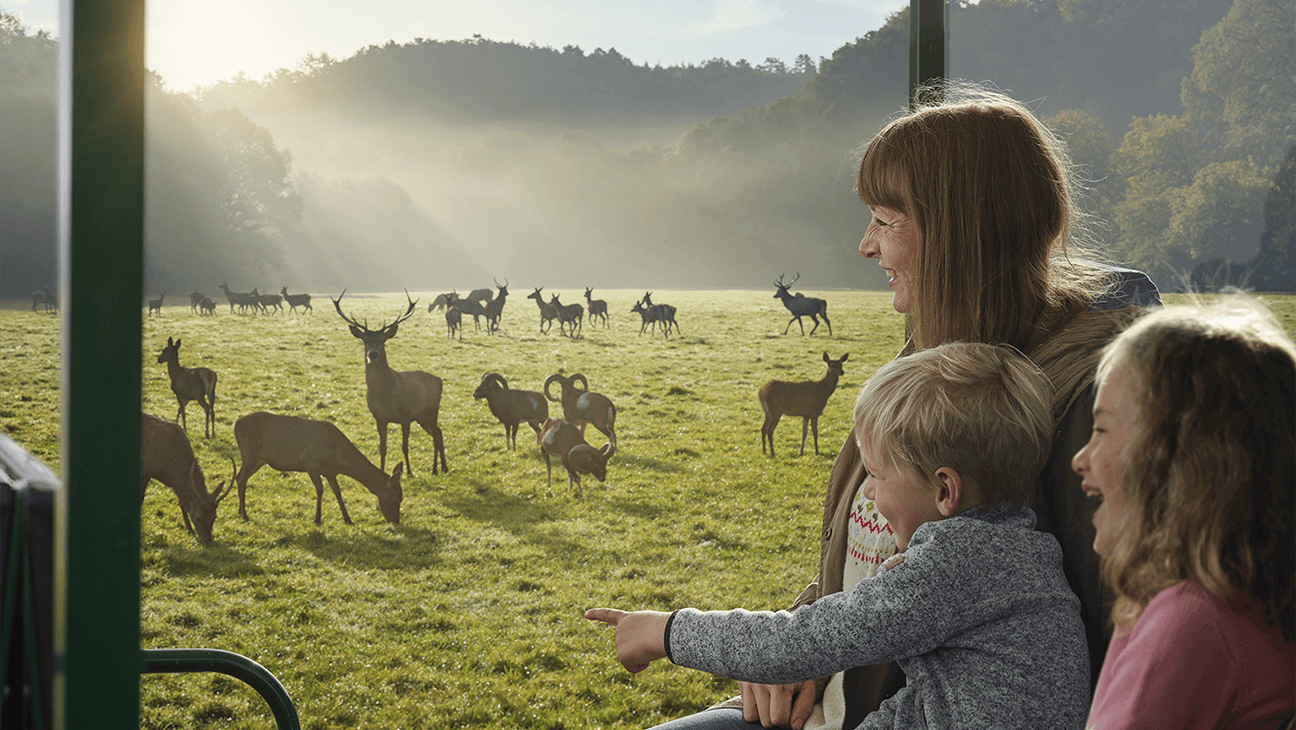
(892, 239)
(1101, 461)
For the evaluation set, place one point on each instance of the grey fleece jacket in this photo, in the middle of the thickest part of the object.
(978, 614)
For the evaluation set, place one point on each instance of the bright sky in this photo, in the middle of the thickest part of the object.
(199, 42)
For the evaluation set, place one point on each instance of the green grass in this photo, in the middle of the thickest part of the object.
(468, 614)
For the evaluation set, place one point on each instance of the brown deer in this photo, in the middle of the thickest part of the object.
(564, 440)
(191, 384)
(454, 321)
(663, 313)
(297, 300)
(495, 307)
(580, 406)
(805, 399)
(512, 407)
(195, 298)
(548, 312)
(799, 305)
(597, 307)
(168, 457)
(568, 314)
(320, 449)
(155, 305)
(397, 397)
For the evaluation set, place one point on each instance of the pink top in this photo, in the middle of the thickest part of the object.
(1192, 661)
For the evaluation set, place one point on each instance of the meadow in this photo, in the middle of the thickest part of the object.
(468, 613)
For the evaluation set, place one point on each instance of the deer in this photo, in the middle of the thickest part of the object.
(562, 439)
(439, 303)
(481, 296)
(320, 449)
(666, 315)
(801, 306)
(495, 308)
(454, 321)
(580, 406)
(195, 299)
(512, 407)
(269, 301)
(597, 307)
(468, 306)
(155, 305)
(568, 314)
(168, 457)
(652, 316)
(207, 306)
(242, 299)
(44, 298)
(190, 384)
(397, 397)
(548, 313)
(297, 300)
(805, 399)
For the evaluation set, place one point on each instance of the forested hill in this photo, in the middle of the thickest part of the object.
(440, 164)
(479, 80)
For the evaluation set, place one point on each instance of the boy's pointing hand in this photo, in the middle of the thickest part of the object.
(640, 635)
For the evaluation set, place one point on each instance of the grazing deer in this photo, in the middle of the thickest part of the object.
(155, 305)
(454, 321)
(495, 308)
(297, 300)
(597, 307)
(564, 440)
(805, 399)
(801, 306)
(568, 314)
(548, 312)
(439, 303)
(580, 406)
(195, 299)
(665, 315)
(320, 449)
(397, 397)
(512, 407)
(191, 384)
(207, 306)
(168, 457)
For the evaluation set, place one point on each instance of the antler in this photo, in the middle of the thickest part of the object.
(337, 304)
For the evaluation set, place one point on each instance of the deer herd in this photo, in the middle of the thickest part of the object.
(322, 451)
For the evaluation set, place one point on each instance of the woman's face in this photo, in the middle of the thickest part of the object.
(892, 239)
(1100, 462)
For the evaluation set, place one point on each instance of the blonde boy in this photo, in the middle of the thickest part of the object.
(974, 606)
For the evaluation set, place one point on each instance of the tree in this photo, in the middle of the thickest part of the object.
(1274, 266)
(257, 191)
(1157, 160)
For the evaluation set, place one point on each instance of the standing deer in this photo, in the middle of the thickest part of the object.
(168, 457)
(45, 298)
(548, 312)
(580, 406)
(397, 397)
(454, 321)
(801, 306)
(195, 299)
(564, 440)
(482, 296)
(468, 306)
(207, 306)
(191, 384)
(568, 314)
(512, 407)
(155, 305)
(242, 299)
(495, 308)
(597, 307)
(297, 300)
(805, 399)
(320, 449)
(665, 315)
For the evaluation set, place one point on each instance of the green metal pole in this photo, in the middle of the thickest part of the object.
(101, 233)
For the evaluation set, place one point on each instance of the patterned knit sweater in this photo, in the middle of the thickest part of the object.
(977, 612)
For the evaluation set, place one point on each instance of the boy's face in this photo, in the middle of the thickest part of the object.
(904, 499)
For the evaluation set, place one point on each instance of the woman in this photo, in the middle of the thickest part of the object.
(974, 221)
(1193, 459)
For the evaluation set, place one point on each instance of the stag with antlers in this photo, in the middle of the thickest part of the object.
(495, 307)
(397, 397)
(801, 305)
(190, 384)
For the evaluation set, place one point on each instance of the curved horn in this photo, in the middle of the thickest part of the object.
(495, 378)
(549, 380)
(575, 376)
(608, 450)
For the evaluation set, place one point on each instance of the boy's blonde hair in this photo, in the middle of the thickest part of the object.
(1210, 473)
(982, 410)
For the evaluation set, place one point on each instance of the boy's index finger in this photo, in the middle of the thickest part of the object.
(609, 616)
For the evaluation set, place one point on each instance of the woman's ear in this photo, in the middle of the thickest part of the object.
(949, 495)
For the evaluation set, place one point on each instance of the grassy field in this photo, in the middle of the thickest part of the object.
(468, 613)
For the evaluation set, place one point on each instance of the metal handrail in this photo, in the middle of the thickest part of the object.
(175, 661)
